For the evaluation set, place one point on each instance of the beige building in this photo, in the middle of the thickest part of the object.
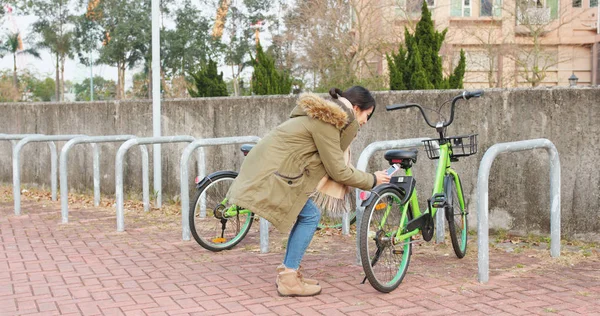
(507, 43)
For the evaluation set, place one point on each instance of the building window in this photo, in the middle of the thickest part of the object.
(576, 3)
(593, 3)
(536, 11)
(490, 8)
(460, 8)
(411, 7)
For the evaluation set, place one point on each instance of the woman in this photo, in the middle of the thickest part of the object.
(282, 172)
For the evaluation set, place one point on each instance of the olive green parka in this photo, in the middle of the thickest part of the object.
(283, 169)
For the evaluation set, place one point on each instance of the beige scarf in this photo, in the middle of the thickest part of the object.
(331, 197)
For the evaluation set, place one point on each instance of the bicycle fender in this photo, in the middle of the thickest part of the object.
(399, 184)
(209, 177)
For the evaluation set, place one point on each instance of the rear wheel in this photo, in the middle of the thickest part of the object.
(384, 259)
(457, 218)
(215, 224)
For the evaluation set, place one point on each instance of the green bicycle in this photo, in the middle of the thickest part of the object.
(392, 217)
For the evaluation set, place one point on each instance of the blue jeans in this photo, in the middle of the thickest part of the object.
(301, 234)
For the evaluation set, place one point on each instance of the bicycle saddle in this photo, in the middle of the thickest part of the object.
(396, 156)
(246, 148)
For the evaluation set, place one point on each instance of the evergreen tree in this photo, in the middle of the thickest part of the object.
(429, 42)
(419, 79)
(456, 78)
(266, 79)
(417, 65)
(208, 82)
(397, 66)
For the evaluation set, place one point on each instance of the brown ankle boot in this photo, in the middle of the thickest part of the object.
(289, 284)
(281, 268)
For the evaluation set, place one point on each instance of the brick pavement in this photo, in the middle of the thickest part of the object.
(87, 268)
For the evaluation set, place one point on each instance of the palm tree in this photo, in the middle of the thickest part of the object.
(14, 46)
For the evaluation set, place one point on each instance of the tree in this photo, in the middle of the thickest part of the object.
(8, 91)
(493, 43)
(266, 79)
(455, 81)
(14, 46)
(208, 82)
(55, 28)
(103, 89)
(37, 89)
(244, 19)
(184, 48)
(337, 43)
(188, 44)
(417, 65)
(535, 20)
(126, 35)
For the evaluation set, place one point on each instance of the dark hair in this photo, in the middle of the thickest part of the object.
(358, 96)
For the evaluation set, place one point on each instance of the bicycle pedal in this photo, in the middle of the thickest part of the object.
(398, 252)
(438, 200)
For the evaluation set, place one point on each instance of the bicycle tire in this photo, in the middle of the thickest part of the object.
(208, 229)
(457, 219)
(386, 275)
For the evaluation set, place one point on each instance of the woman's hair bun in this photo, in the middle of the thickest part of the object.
(334, 92)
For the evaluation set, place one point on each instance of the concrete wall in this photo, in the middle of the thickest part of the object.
(519, 183)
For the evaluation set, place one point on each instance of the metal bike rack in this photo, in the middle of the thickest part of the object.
(17, 167)
(482, 198)
(185, 190)
(93, 140)
(119, 170)
(13, 138)
(363, 162)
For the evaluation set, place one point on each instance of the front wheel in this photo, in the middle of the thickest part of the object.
(457, 217)
(216, 224)
(384, 258)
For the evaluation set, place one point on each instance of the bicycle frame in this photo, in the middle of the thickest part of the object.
(443, 169)
(234, 210)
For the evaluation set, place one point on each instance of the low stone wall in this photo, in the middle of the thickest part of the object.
(519, 182)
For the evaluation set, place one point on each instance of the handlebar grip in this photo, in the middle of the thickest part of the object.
(472, 94)
(394, 107)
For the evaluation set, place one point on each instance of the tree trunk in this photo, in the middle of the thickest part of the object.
(62, 78)
(149, 81)
(57, 82)
(122, 80)
(235, 82)
(15, 81)
(119, 97)
(163, 83)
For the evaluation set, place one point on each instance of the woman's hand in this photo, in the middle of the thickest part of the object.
(382, 177)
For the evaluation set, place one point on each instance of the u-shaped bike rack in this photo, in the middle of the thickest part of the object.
(119, 170)
(482, 198)
(93, 140)
(17, 166)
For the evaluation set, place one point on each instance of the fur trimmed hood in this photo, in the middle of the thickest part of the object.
(335, 112)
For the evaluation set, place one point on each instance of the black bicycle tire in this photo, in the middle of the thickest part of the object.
(364, 254)
(192, 213)
(450, 190)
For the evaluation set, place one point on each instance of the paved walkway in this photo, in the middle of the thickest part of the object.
(87, 268)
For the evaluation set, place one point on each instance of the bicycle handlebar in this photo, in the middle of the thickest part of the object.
(466, 95)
